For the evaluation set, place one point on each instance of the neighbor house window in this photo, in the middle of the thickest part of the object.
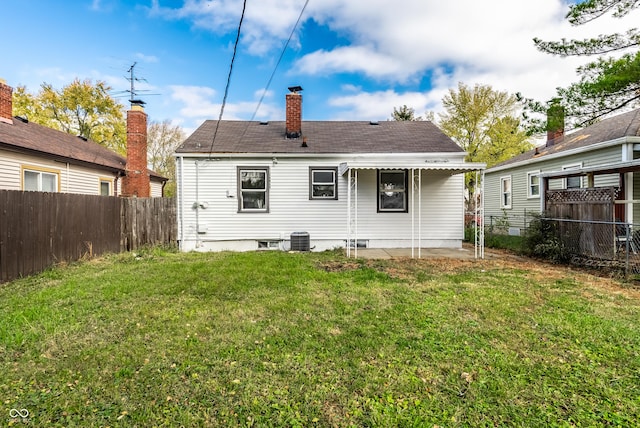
(323, 183)
(253, 189)
(572, 182)
(505, 192)
(105, 187)
(40, 180)
(533, 179)
(392, 191)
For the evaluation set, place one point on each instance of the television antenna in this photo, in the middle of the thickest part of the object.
(133, 92)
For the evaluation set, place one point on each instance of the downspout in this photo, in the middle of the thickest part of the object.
(179, 201)
(67, 186)
(482, 216)
(349, 214)
(413, 212)
(164, 183)
(420, 213)
(198, 243)
(356, 214)
(627, 155)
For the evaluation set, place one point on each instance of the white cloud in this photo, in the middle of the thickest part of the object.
(379, 105)
(195, 104)
(397, 44)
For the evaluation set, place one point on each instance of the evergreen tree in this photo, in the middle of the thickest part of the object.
(611, 82)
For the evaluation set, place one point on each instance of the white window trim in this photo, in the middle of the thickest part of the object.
(267, 185)
(502, 204)
(529, 175)
(572, 166)
(108, 181)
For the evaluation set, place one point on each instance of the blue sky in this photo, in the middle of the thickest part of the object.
(355, 59)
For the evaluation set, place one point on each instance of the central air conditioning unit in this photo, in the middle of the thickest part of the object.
(300, 241)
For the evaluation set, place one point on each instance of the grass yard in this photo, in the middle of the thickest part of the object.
(278, 339)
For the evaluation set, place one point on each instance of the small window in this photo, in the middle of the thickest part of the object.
(105, 187)
(533, 180)
(322, 183)
(505, 192)
(39, 181)
(392, 191)
(572, 182)
(253, 188)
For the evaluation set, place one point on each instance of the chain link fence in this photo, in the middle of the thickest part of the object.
(605, 245)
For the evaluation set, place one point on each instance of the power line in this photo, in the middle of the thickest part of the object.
(284, 49)
(226, 89)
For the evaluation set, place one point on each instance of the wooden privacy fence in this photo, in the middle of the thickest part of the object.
(40, 229)
(594, 208)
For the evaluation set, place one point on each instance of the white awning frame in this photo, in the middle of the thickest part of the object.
(415, 169)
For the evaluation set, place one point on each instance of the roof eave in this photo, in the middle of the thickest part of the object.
(564, 153)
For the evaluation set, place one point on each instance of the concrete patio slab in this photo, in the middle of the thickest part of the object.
(465, 253)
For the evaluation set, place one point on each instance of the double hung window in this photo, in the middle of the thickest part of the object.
(253, 189)
(505, 192)
(392, 191)
(323, 183)
(533, 183)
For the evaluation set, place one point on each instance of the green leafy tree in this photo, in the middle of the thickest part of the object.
(80, 108)
(404, 113)
(606, 85)
(484, 123)
(162, 140)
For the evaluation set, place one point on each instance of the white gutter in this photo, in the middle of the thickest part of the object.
(426, 155)
(579, 150)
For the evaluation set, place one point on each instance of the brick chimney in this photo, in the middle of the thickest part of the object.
(555, 124)
(6, 102)
(294, 112)
(136, 181)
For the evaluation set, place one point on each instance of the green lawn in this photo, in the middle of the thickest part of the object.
(278, 339)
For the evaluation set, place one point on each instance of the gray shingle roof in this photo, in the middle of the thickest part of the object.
(322, 137)
(619, 126)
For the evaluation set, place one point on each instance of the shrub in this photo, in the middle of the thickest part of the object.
(543, 239)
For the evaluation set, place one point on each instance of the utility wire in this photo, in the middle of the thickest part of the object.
(284, 49)
(226, 89)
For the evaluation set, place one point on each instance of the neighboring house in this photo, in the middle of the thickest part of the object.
(37, 158)
(606, 154)
(319, 185)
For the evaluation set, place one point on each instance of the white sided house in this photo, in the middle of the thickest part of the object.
(318, 185)
(37, 158)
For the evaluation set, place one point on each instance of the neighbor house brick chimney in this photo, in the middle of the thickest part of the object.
(136, 181)
(555, 124)
(6, 103)
(294, 113)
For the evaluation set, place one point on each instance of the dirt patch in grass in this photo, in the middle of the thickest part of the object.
(403, 268)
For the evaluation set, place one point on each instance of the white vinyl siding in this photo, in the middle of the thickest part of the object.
(291, 210)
